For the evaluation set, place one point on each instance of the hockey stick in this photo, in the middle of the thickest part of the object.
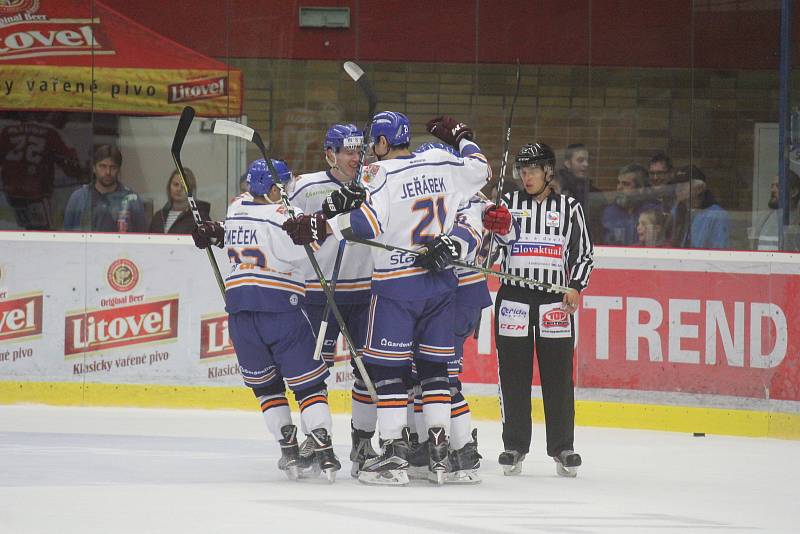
(357, 74)
(225, 127)
(498, 197)
(187, 115)
(466, 265)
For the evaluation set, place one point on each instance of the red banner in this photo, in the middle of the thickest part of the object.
(682, 331)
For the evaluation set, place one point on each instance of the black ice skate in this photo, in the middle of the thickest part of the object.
(511, 462)
(290, 452)
(418, 458)
(323, 452)
(437, 452)
(567, 463)
(362, 450)
(391, 467)
(308, 466)
(464, 463)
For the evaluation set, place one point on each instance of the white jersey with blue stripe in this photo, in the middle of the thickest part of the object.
(355, 272)
(410, 200)
(267, 269)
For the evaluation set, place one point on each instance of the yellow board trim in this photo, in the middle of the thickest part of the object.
(719, 421)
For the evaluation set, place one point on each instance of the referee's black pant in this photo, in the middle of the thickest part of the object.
(515, 358)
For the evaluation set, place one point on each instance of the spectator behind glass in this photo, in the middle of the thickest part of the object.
(662, 176)
(765, 231)
(652, 228)
(176, 217)
(30, 150)
(620, 219)
(572, 180)
(699, 222)
(105, 204)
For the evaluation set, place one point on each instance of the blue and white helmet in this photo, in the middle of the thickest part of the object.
(393, 126)
(259, 179)
(343, 135)
(427, 146)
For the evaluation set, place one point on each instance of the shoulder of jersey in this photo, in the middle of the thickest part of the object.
(370, 172)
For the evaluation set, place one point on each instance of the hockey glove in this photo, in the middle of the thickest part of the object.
(497, 219)
(449, 130)
(209, 233)
(346, 198)
(439, 254)
(305, 229)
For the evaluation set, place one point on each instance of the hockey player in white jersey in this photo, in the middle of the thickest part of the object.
(411, 202)
(352, 295)
(272, 336)
(472, 295)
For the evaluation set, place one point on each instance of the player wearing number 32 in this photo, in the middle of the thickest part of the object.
(412, 202)
(554, 247)
(271, 333)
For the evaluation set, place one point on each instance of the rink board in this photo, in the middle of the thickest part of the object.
(667, 339)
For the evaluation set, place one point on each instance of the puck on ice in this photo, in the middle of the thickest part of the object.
(699, 434)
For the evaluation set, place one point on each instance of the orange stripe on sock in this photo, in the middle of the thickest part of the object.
(313, 400)
(455, 412)
(392, 404)
(435, 398)
(365, 399)
(273, 403)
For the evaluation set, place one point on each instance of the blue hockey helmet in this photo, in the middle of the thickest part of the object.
(393, 126)
(259, 179)
(343, 135)
(427, 146)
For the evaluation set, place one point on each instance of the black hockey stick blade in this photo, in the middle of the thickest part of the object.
(187, 116)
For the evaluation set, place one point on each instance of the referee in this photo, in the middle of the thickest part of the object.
(554, 247)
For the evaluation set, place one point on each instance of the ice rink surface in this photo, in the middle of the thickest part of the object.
(110, 470)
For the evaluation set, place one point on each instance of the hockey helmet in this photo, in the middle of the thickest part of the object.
(534, 155)
(343, 135)
(428, 146)
(259, 179)
(393, 126)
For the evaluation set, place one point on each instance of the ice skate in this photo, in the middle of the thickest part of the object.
(391, 467)
(308, 467)
(437, 455)
(290, 452)
(511, 462)
(362, 450)
(567, 463)
(464, 463)
(418, 458)
(323, 452)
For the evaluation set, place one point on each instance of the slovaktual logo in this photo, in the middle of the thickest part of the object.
(104, 329)
(122, 275)
(215, 340)
(21, 317)
(197, 90)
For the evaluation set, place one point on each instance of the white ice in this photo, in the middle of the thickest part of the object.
(111, 470)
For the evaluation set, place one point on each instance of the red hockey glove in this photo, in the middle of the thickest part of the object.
(449, 130)
(305, 229)
(497, 219)
(209, 233)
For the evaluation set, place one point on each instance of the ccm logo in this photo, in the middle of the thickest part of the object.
(21, 317)
(513, 327)
(117, 327)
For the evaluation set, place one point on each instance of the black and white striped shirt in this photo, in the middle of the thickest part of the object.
(554, 245)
